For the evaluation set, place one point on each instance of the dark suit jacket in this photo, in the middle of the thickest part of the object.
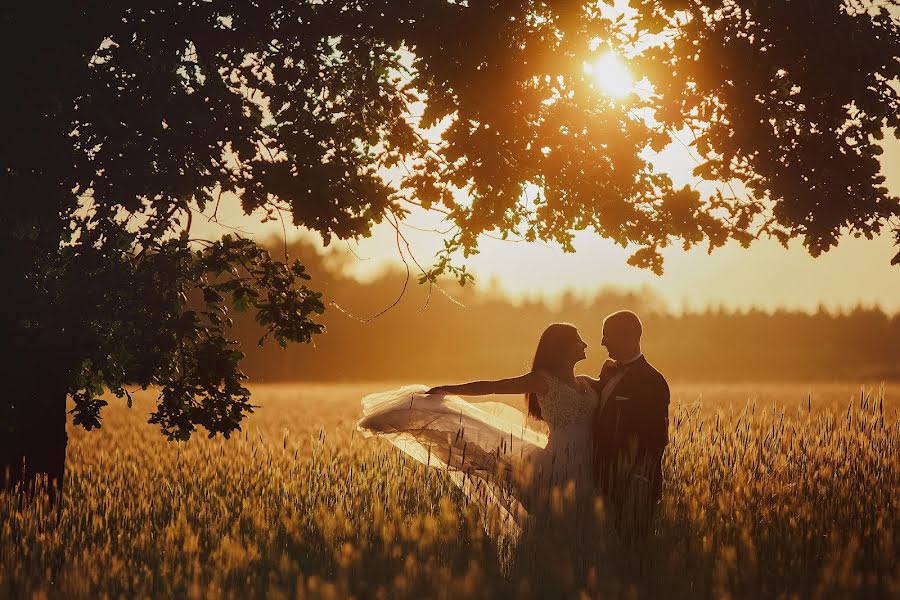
(632, 427)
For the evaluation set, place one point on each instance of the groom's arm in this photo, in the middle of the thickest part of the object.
(646, 418)
(652, 420)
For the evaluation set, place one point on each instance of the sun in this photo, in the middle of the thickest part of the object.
(611, 75)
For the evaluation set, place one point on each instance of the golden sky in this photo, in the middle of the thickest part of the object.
(764, 275)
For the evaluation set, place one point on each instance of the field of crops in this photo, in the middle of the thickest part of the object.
(769, 491)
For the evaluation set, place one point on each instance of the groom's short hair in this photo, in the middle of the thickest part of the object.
(627, 320)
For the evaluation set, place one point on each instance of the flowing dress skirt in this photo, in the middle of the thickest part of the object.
(486, 448)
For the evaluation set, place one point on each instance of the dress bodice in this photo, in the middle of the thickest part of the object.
(564, 405)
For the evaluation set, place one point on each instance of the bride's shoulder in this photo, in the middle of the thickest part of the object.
(542, 380)
(587, 382)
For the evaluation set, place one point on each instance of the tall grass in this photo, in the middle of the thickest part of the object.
(764, 502)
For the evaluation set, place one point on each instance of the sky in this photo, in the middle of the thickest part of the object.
(765, 275)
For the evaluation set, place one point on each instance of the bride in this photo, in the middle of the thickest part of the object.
(508, 468)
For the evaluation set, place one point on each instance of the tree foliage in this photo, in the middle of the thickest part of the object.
(127, 119)
(151, 332)
(790, 98)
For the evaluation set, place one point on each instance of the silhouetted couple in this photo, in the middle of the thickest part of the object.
(605, 436)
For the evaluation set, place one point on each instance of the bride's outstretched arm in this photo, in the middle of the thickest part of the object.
(524, 384)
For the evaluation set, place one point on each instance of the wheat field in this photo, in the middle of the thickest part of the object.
(769, 491)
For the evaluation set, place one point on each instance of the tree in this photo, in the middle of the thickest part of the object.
(791, 99)
(125, 121)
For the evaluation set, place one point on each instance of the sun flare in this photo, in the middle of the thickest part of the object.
(611, 75)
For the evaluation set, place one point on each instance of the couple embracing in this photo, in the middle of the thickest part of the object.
(605, 436)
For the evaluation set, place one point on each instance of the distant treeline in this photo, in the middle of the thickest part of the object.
(430, 338)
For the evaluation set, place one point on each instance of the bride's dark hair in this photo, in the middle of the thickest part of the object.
(547, 357)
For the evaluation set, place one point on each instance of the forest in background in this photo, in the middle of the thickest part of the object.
(483, 334)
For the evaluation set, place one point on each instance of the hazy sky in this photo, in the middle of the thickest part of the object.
(765, 275)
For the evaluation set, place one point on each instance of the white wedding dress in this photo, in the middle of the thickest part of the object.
(501, 464)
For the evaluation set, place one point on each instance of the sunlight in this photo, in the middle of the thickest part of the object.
(611, 75)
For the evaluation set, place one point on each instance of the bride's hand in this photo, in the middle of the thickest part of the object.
(436, 390)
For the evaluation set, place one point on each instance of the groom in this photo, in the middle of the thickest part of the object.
(630, 425)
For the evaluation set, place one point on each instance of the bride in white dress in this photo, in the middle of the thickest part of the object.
(508, 468)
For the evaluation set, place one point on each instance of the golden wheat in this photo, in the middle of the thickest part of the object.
(763, 502)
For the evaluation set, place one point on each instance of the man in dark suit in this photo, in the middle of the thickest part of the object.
(630, 424)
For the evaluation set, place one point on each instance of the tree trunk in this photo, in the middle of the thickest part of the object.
(32, 366)
(33, 420)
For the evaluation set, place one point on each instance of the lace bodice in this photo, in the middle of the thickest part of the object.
(563, 405)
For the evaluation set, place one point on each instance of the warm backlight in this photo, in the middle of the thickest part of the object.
(611, 75)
